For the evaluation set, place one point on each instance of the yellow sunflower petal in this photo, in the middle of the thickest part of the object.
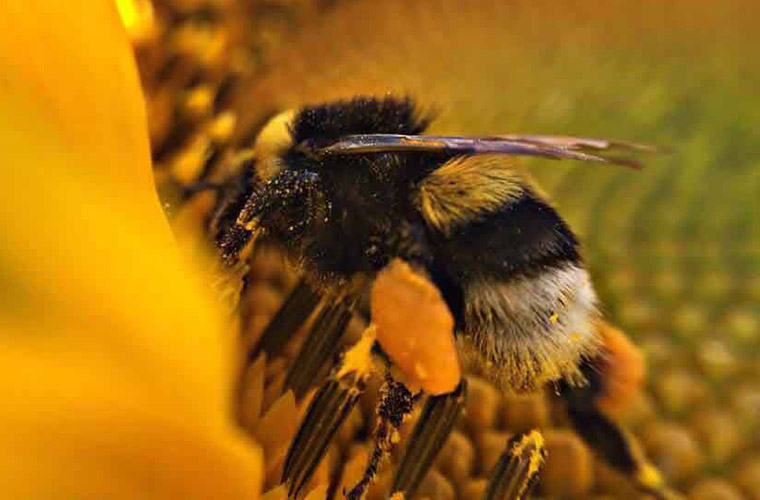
(115, 371)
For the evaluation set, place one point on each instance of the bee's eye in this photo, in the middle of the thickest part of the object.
(309, 148)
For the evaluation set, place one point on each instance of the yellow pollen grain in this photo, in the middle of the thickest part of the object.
(395, 437)
(187, 165)
(649, 476)
(358, 359)
(223, 127)
(198, 101)
(554, 318)
(535, 440)
(138, 18)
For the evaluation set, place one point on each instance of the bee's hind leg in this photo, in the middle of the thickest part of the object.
(613, 378)
(394, 407)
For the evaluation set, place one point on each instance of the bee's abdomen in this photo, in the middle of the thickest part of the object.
(529, 331)
(523, 302)
(522, 238)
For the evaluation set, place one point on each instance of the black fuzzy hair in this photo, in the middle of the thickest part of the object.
(361, 115)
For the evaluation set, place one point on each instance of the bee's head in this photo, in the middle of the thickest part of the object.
(288, 139)
(300, 187)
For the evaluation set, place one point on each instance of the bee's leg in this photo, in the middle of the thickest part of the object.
(617, 447)
(327, 411)
(428, 437)
(394, 407)
(613, 378)
(230, 236)
(516, 473)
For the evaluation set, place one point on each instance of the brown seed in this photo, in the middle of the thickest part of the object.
(273, 390)
(321, 476)
(457, 458)
(569, 465)
(718, 434)
(268, 267)
(263, 299)
(381, 487)
(673, 451)
(714, 489)
(474, 488)
(252, 393)
(745, 403)
(273, 468)
(354, 466)
(747, 477)
(252, 326)
(611, 482)
(278, 425)
(275, 367)
(319, 492)
(716, 359)
(490, 444)
(349, 428)
(354, 331)
(678, 390)
(278, 493)
(521, 413)
(436, 486)
(641, 411)
(481, 405)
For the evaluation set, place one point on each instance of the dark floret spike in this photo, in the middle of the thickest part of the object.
(327, 411)
(432, 429)
(320, 345)
(516, 472)
(225, 91)
(298, 306)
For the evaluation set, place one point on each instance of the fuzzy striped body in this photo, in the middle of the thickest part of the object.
(507, 265)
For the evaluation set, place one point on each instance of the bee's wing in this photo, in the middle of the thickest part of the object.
(553, 147)
(580, 143)
(600, 147)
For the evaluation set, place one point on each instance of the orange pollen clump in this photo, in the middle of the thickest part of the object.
(415, 328)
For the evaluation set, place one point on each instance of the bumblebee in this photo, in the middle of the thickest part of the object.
(461, 251)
